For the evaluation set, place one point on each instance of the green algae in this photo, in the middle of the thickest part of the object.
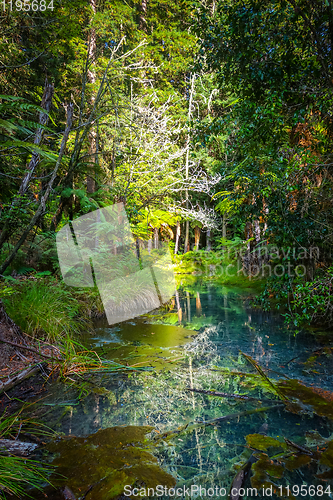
(261, 442)
(107, 461)
(327, 460)
(312, 399)
(271, 468)
(296, 461)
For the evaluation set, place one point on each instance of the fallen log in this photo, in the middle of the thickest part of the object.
(17, 448)
(12, 382)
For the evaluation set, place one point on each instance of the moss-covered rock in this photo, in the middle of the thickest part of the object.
(106, 462)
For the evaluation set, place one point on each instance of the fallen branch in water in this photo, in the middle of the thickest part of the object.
(264, 376)
(227, 395)
(214, 421)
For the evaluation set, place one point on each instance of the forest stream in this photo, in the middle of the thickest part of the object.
(197, 343)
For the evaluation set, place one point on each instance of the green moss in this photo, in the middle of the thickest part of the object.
(315, 399)
(296, 461)
(108, 460)
(261, 442)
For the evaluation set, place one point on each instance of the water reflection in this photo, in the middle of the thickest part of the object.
(196, 343)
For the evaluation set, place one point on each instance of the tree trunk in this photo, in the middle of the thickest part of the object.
(196, 237)
(155, 237)
(198, 305)
(91, 184)
(187, 236)
(208, 241)
(187, 230)
(247, 258)
(179, 309)
(188, 300)
(224, 226)
(142, 15)
(177, 237)
(41, 209)
(43, 120)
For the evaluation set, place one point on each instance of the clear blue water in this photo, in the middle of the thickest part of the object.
(199, 348)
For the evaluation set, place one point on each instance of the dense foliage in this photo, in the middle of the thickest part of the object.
(206, 122)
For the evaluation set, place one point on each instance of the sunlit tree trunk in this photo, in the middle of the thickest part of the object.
(155, 237)
(187, 237)
(177, 237)
(179, 309)
(198, 305)
(188, 307)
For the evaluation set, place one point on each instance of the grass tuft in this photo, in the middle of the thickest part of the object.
(43, 307)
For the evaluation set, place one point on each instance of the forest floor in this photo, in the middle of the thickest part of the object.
(26, 352)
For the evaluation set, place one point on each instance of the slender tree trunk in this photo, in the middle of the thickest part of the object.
(208, 241)
(179, 309)
(188, 300)
(42, 208)
(142, 15)
(196, 237)
(187, 236)
(187, 230)
(198, 305)
(91, 184)
(177, 237)
(155, 237)
(43, 120)
(247, 258)
(224, 226)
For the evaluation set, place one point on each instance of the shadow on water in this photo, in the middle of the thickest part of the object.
(195, 342)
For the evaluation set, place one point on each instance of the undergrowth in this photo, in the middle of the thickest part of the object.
(303, 302)
(16, 473)
(45, 307)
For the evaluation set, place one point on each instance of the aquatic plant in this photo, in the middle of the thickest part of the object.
(77, 360)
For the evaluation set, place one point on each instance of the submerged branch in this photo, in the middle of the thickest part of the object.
(226, 395)
(214, 421)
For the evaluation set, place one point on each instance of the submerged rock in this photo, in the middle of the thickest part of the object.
(312, 399)
(101, 465)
